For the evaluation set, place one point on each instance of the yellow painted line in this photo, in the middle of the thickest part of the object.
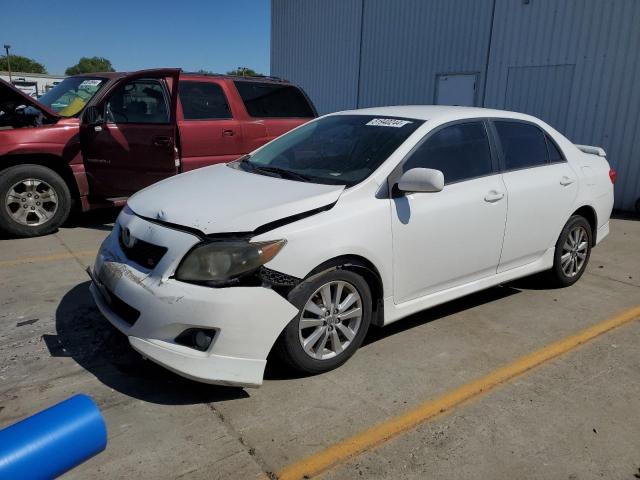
(378, 434)
(47, 258)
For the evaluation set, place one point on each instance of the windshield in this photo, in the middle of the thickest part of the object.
(70, 96)
(340, 149)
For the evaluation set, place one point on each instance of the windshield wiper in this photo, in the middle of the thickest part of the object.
(282, 172)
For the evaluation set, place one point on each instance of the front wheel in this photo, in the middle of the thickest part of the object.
(35, 200)
(572, 253)
(335, 313)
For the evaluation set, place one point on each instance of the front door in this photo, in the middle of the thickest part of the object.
(452, 237)
(135, 144)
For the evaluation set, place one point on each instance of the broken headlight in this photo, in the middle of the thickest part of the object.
(219, 262)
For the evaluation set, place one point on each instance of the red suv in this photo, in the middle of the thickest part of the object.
(95, 139)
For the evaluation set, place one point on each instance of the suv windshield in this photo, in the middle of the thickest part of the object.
(340, 149)
(70, 96)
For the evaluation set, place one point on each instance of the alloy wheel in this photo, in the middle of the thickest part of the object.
(330, 320)
(31, 202)
(574, 251)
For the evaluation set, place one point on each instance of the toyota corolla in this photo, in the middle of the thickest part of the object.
(357, 218)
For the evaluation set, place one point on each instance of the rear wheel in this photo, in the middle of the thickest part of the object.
(35, 200)
(572, 253)
(335, 313)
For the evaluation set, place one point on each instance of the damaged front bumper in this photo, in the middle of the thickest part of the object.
(153, 309)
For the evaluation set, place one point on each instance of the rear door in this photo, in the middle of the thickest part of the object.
(209, 133)
(541, 186)
(135, 144)
(273, 108)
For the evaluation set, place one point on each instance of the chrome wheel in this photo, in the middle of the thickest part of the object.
(330, 320)
(31, 202)
(574, 251)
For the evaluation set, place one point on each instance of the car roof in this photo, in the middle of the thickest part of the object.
(263, 78)
(438, 112)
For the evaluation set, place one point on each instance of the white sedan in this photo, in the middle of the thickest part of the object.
(356, 218)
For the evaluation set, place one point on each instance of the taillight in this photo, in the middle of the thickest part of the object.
(612, 175)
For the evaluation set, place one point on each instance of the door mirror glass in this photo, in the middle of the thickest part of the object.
(421, 180)
(92, 116)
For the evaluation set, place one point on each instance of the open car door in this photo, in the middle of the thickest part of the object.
(128, 133)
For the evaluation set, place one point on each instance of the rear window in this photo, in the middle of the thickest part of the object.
(523, 144)
(273, 100)
(203, 101)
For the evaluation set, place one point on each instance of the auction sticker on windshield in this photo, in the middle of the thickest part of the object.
(388, 122)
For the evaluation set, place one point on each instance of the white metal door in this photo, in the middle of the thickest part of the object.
(456, 89)
(449, 238)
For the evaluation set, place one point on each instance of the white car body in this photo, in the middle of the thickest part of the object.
(422, 248)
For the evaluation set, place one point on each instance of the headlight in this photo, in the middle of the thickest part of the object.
(219, 262)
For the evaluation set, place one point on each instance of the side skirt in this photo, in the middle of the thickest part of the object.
(393, 312)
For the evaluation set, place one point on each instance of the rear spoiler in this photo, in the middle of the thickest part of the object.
(592, 150)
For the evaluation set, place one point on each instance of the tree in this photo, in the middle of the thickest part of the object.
(90, 65)
(21, 64)
(245, 72)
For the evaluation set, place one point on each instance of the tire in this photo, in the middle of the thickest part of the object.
(568, 270)
(289, 346)
(42, 191)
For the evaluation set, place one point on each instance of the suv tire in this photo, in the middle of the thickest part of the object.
(34, 200)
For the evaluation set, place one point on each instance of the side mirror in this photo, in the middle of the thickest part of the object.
(421, 180)
(92, 116)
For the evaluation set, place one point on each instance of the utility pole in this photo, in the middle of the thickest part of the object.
(7, 47)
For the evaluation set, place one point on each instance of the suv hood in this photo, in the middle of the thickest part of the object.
(221, 199)
(10, 94)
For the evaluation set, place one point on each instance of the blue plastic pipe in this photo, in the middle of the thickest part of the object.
(52, 441)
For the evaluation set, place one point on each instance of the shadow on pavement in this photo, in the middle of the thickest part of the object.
(100, 219)
(86, 336)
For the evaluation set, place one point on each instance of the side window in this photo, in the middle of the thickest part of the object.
(138, 101)
(523, 144)
(554, 152)
(203, 101)
(460, 152)
(265, 100)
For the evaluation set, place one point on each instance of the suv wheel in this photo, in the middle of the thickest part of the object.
(335, 313)
(34, 200)
(573, 250)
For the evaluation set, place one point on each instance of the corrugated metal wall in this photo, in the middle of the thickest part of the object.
(574, 63)
(316, 44)
(601, 40)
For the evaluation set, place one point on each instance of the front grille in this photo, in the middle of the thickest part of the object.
(143, 253)
(123, 310)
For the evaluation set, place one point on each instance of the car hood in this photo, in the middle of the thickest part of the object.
(221, 199)
(10, 93)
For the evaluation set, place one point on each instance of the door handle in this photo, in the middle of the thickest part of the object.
(162, 141)
(493, 196)
(228, 133)
(564, 181)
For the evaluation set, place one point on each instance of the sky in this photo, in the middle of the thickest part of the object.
(216, 35)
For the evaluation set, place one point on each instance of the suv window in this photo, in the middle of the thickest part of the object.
(139, 101)
(203, 101)
(555, 155)
(460, 151)
(275, 100)
(523, 144)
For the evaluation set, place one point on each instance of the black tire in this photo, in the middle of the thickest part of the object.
(30, 228)
(289, 347)
(557, 274)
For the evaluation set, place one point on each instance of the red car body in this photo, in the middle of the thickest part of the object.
(104, 159)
